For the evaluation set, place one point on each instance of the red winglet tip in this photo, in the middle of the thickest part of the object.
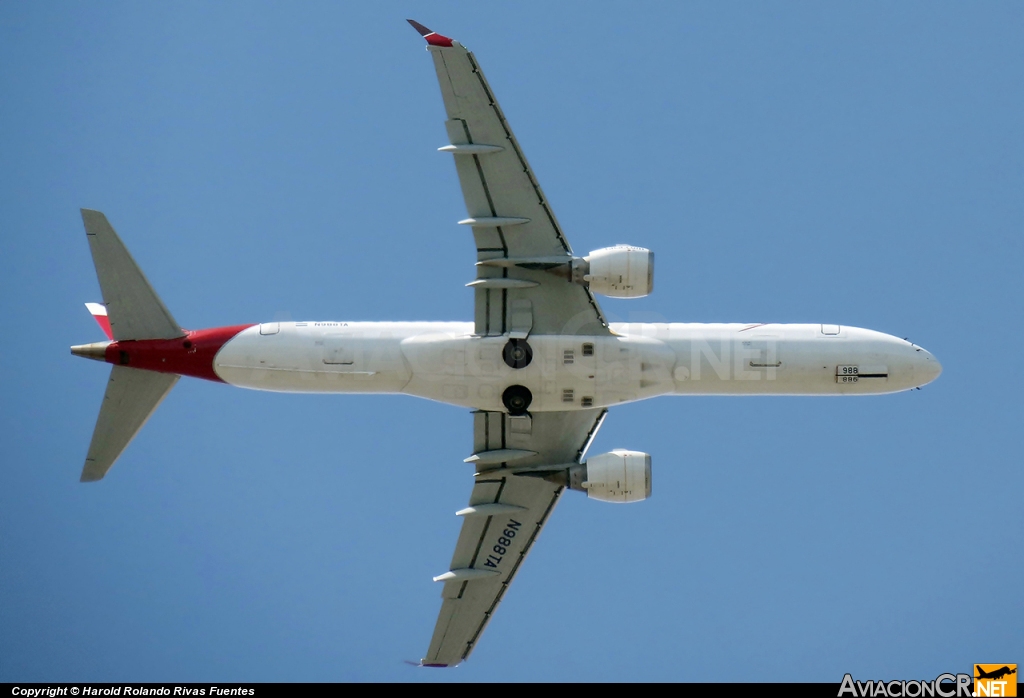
(432, 37)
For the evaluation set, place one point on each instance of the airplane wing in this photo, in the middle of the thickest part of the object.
(523, 282)
(505, 515)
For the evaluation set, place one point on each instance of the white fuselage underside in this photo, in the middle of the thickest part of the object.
(444, 361)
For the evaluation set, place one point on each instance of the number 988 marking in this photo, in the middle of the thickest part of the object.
(503, 544)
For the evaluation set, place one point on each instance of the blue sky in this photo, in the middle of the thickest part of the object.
(800, 162)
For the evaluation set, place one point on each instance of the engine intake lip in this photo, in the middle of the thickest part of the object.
(517, 353)
(517, 399)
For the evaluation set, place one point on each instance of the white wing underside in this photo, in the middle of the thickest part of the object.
(511, 217)
(487, 557)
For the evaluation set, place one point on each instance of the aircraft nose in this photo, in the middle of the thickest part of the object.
(927, 368)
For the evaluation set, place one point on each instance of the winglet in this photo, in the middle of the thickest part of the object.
(99, 314)
(432, 37)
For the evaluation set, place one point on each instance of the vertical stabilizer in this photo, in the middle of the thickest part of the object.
(132, 396)
(133, 308)
(99, 314)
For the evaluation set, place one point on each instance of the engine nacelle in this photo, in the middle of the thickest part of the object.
(620, 476)
(621, 271)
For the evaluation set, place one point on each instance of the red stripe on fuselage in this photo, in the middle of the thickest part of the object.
(191, 355)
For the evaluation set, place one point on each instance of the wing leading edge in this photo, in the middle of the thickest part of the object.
(505, 515)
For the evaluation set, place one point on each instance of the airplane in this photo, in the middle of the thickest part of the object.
(539, 365)
(995, 674)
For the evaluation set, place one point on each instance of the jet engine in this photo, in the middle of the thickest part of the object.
(620, 476)
(622, 271)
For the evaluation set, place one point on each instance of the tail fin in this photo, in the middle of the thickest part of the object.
(132, 396)
(99, 314)
(133, 308)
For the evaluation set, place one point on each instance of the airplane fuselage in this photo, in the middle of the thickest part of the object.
(444, 361)
(538, 383)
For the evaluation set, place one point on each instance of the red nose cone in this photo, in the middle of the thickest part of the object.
(191, 355)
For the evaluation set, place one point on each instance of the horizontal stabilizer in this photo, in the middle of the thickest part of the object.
(132, 396)
(133, 308)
